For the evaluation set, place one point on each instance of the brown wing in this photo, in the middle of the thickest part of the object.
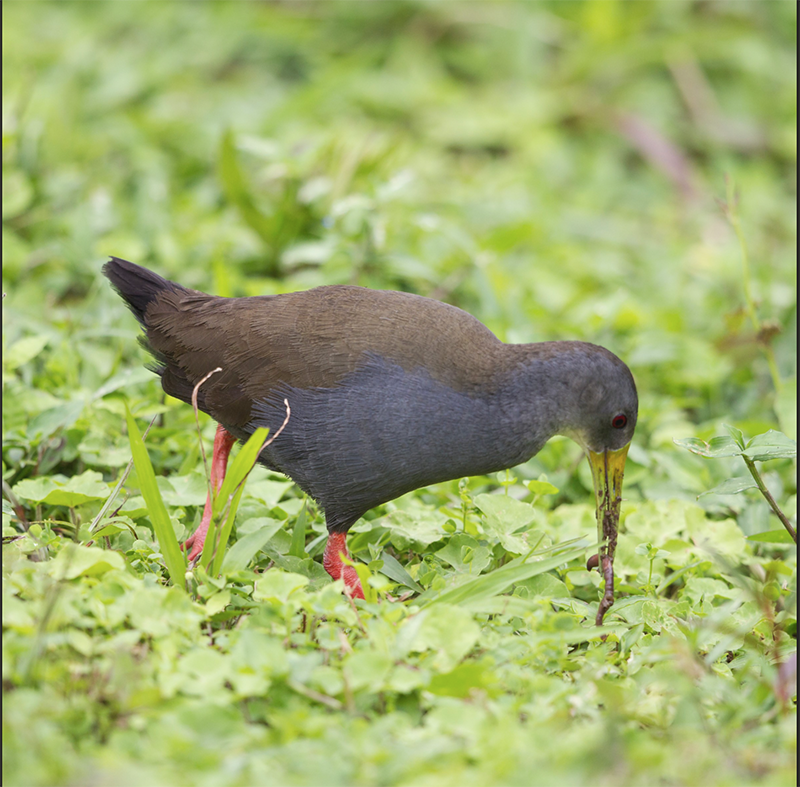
(306, 340)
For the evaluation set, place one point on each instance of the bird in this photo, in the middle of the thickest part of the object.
(388, 392)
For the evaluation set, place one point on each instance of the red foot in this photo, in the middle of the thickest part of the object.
(332, 561)
(223, 442)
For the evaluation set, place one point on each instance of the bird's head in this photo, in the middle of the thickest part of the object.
(600, 416)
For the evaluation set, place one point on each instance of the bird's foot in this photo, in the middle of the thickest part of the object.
(335, 550)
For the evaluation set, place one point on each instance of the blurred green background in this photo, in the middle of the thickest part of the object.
(562, 170)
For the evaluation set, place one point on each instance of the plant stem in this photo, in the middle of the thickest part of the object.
(751, 466)
(733, 218)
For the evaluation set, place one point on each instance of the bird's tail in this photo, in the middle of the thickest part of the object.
(136, 285)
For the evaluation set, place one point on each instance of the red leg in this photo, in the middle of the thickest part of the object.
(332, 561)
(223, 442)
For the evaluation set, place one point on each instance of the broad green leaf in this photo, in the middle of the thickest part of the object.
(61, 417)
(268, 490)
(464, 679)
(394, 570)
(736, 434)
(771, 445)
(542, 487)
(367, 670)
(60, 491)
(421, 527)
(465, 554)
(242, 552)
(23, 351)
(505, 516)
(75, 560)
(544, 586)
(446, 629)
(124, 379)
(732, 486)
(183, 490)
(277, 585)
(714, 448)
(173, 557)
(772, 537)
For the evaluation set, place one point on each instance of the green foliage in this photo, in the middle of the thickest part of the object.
(617, 173)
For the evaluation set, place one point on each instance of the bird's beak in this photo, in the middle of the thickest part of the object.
(608, 468)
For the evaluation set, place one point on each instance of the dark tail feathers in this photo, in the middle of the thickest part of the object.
(136, 285)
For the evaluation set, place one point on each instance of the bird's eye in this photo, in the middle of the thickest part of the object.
(619, 421)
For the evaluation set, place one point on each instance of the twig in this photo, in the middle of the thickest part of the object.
(751, 466)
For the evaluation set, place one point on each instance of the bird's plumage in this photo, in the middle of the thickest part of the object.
(389, 391)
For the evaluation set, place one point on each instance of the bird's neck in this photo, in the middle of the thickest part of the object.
(538, 394)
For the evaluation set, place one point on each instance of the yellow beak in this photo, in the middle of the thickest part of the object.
(608, 468)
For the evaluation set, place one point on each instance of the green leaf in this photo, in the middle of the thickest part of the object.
(59, 417)
(420, 527)
(465, 554)
(298, 547)
(464, 679)
(367, 670)
(542, 487)
(124, 379)
(498, 581)
(736, 434)
(75, 560)
(236, 190)
(229, 495)
(277, 585)
(772, 537)
(173, 557)
(444, 628)
(714, 448)
(242, 552)
(504, 517)
(771, 445)
(23, 351)
(732, 486)
(544, 586)
(394, 570)
(75, 491)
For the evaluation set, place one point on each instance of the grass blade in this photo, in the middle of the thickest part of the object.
(489, 585)
(298, 547)
(173, 557)
(226, 502)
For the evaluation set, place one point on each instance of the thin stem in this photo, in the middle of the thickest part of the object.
(733, 218)
(751, 466)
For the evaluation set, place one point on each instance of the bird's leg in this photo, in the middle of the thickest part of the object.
(223, 442)
(332, 561)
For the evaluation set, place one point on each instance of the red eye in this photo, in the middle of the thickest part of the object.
(619, 421)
